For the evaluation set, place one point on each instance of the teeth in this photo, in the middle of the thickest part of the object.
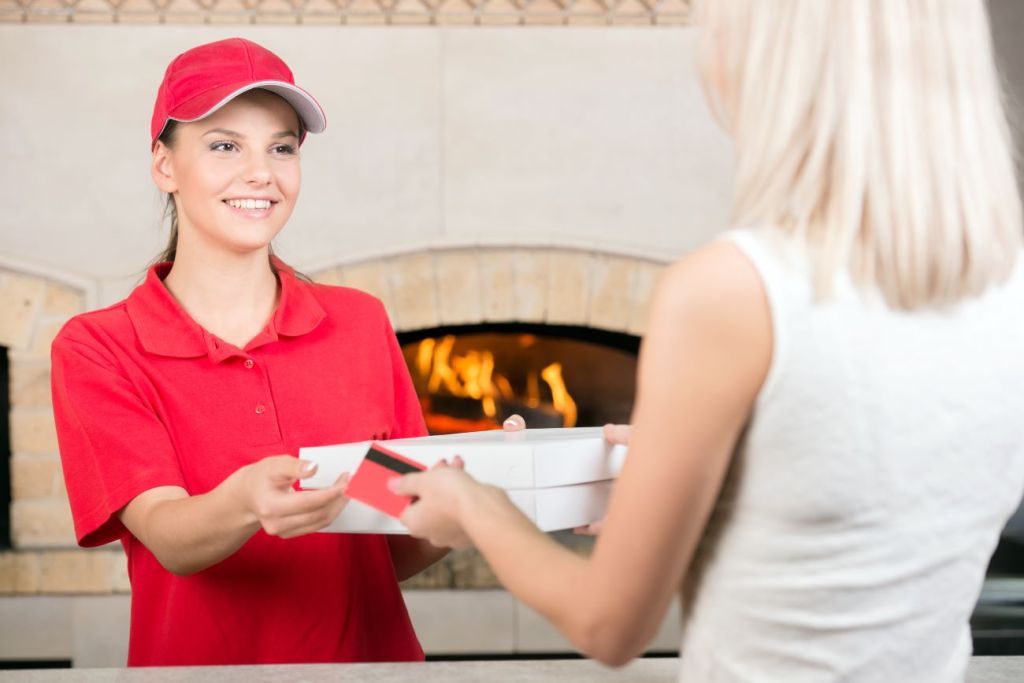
(249, 203)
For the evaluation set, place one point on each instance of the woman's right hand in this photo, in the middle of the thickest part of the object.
(617, 434)
(614, 434)
(267, 494)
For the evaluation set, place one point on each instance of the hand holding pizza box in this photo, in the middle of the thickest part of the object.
(559, 478)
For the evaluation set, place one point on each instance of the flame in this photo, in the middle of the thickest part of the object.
(532, 391)
(442, 372)
(560, 397)
(472, 375)
(504, 386)
(425, 356)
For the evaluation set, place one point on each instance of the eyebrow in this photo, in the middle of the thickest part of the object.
(236, 134)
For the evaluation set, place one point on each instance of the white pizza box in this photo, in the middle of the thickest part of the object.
(551, 509)
(528, 459)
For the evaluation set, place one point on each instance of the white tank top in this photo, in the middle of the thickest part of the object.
(884, 455)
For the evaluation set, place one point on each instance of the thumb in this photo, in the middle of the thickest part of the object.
(305, 469)
(617, 433)
(405, 485)
(285, 469)
(514, 423)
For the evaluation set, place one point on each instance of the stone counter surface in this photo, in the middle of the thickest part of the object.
(982, 670)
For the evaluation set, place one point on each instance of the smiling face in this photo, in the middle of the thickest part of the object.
(234, 175)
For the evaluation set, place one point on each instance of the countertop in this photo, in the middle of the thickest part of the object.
(982, 670)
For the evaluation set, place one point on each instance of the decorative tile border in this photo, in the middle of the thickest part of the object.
(464, 286)
(355, 12)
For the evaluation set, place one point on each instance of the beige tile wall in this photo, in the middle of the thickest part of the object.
(420, 290)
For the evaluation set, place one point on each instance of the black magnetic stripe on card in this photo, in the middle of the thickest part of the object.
(393, 464)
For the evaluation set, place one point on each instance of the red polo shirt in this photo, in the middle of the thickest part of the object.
(144, 397)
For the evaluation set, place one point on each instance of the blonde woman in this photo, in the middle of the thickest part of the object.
(827, 437)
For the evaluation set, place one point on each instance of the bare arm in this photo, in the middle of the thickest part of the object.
(412, 555)
(190, 533)
(705, 357)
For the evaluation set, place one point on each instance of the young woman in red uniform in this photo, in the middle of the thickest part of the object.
(180, 409)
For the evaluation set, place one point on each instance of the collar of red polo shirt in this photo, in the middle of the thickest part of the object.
(165, 329)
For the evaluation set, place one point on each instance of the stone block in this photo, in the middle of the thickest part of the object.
(34, 477)
(119, 582)
(33, 431)
(498, 292)
(19, 573)
(611, 296)
(632, 13)
(470, 570)
(645, 280)
(62, 302)
(21, 299)
(414, 291)
(457, 274)
(370, 277)
(42, 524)
(42, 339)
(45, 19)
(7, 572)
(321, 19)
(437, 575)
(26, 573)
(149, 18)
(328, 276)
(499, 19)
(76, 571)
(30, 384)
(588, 20)
(569, 287)
(532, 270)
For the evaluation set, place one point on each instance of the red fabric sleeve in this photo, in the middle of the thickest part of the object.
(112, 444)
(408, 413)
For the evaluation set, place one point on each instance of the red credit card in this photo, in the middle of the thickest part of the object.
(369, 484)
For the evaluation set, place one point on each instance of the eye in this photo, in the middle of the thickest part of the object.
(284, 149)
(223, 147)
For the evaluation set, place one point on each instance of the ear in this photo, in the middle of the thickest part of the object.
(162, 169)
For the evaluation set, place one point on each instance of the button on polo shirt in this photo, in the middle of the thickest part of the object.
(145, 397)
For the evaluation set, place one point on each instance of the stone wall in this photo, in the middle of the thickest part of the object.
(420, 290)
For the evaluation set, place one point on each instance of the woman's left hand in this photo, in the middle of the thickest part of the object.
(434, 514)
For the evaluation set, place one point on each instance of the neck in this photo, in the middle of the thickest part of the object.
(232, 296)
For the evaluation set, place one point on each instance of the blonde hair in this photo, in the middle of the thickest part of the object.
(875, 130)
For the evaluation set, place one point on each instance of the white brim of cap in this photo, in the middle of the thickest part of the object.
(314, 120)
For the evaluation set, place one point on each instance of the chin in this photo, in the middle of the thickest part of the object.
(251, 240)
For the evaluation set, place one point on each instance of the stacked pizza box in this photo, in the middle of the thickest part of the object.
(559, 478)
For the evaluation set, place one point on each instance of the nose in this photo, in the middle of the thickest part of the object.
(257, 170)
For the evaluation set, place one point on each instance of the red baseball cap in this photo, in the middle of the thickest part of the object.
(202, 80)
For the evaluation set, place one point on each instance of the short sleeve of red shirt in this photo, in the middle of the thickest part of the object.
(113, 446)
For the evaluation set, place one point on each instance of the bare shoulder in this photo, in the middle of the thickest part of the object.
(716, 281)
(713, 301)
